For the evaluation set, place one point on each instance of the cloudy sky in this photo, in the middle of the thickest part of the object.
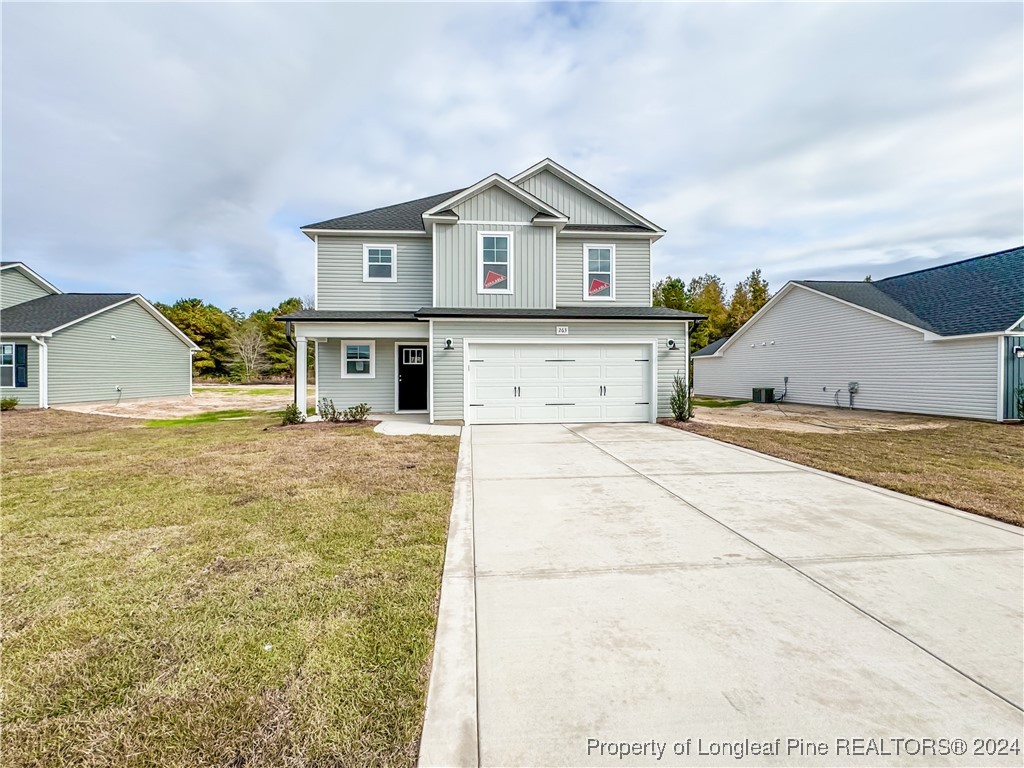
(174, 149)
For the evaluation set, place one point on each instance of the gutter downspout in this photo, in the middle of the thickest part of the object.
(44, 372)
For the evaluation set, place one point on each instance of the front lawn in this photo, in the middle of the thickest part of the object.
(217, 594)
(970, 465)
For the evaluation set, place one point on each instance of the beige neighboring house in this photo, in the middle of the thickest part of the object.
(58, 348)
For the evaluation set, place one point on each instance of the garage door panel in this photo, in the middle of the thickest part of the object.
(551, 383)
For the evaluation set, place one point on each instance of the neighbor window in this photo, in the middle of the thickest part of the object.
(379, 263)
(358, 358)
(599, 272)
(13, 365)
(494, 262)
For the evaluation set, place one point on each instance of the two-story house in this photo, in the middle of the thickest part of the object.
(523, 299)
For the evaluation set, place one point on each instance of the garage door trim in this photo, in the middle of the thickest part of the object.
(561, 341)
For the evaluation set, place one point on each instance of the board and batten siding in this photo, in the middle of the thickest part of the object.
(1013, 377)
(144, 358)
(457, 264)
(28, 397)
(339, 270)
(494, 204)
(822, 345)
(632, 271)
(449, 365)
(15, 288)
(378, 392)
(564, 197)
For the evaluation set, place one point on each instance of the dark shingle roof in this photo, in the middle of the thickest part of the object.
(567, 313)
(402, 216)
(48, 312)
(562, 313)
(351, 316)
(711, 348)
(605, 228)
(980, 295)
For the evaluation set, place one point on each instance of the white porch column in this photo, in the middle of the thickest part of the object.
(300, 374)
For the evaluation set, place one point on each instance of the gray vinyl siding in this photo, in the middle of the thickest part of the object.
(15, 288)
(145, 359)
(28, 397)
(378, 392)
(533, 254)
(632, 271)
(449, 366)
(564, 197)
(339, 268)
(1013, 377)
(495, 204)
(820, 343)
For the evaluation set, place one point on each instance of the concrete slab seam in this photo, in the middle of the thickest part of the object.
(867, 486)
(813, 580)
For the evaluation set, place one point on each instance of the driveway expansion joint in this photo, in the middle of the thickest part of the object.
(806, 575)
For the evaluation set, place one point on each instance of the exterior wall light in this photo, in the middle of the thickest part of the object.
(671, 343)
(448, 344)
(1018, 351)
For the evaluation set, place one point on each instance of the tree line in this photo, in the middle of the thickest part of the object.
(706, 295)
(233, 345)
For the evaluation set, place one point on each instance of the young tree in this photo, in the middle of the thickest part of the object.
(250, 348)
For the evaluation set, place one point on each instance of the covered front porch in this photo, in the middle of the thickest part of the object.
(383, 363)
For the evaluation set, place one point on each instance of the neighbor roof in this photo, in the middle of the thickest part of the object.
(984, 294)
(407, 215)
(711, 348)
(49, 312)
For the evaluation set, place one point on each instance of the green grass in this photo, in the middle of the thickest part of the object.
(710, 402)
(202, 418)
(217, 594)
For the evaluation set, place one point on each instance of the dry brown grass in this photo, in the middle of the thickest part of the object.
(972, 466)
(146, 570)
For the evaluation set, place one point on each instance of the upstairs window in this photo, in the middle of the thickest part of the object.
(598, 272)
(13, 365)
(358, 359)
(379, 264)
(494, 262)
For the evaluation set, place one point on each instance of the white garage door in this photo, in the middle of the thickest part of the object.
(555, 383)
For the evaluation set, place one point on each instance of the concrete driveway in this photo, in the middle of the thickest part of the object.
(637, 595)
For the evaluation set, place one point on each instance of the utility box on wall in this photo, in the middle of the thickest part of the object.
(764, 395)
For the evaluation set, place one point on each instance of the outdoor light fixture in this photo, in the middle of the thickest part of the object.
(1018, 351)
(448, 344)
(672, 344)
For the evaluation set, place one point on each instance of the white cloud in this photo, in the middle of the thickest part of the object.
(175, 149)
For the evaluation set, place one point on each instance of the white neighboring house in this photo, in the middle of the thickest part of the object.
(943, 341)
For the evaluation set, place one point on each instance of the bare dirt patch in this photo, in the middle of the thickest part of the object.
(791, 417)
(205, 399)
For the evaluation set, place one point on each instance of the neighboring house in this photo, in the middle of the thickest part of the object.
(514, 300)
(60, 347)
(946, 341)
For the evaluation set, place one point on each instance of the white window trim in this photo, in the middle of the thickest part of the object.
(344, 359)
(480, 264)
(366, 263)
(586, 272)
(13, 366)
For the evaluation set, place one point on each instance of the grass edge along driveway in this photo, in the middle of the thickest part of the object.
(217, 593)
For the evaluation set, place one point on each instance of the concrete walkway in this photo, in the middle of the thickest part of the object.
(637, 595)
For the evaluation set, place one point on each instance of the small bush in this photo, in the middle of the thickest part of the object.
(356, 412)
(680, 402)
(1020, 402)
(292, 415)
(8, 403)
(325, 408)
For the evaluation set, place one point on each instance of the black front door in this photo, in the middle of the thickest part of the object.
(412, 377)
